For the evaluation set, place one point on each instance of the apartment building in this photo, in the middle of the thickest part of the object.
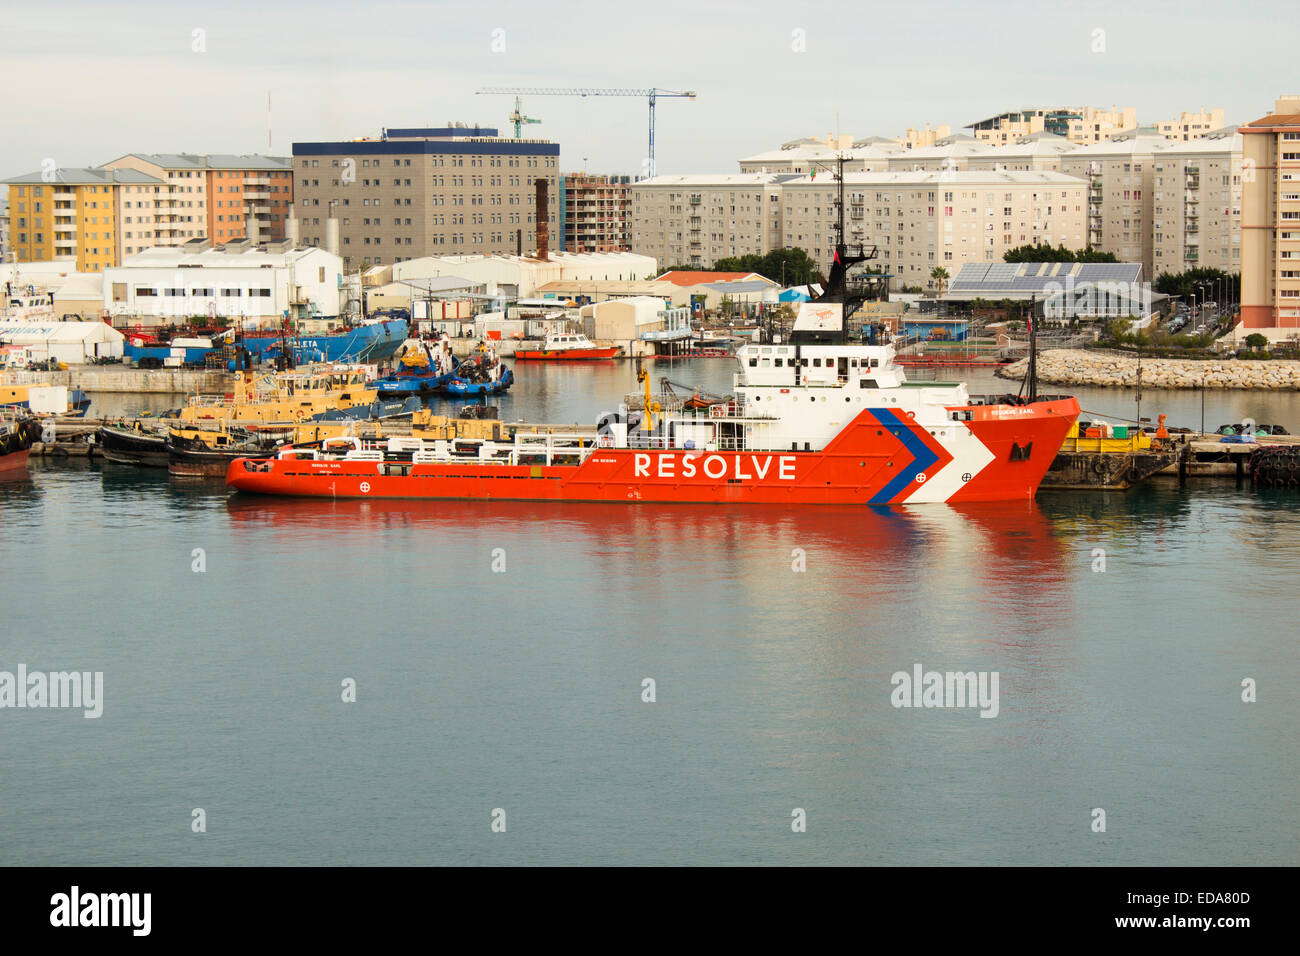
(1197, 204)
(1191, 126)
(1121, 175)
(78, 214)
(1082, 125)
(921, 220)
(594, 210)
(1270, 225)
(697, 220)
(208, 196)
(807, 157)
(951, 153)
(920, 138)
(416, 192)
(4, 229)
(1042, 151)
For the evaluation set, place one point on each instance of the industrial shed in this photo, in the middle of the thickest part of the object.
(73, 343)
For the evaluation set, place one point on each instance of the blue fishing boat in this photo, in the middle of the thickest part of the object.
(465, 388)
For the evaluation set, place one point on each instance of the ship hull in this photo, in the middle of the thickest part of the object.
(566, 355)
(14, 461)
(880, 458)
(125, 446)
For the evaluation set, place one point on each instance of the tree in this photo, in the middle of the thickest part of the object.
(1255, 341)
(1187, 284)
(940, 275)
(1050, 253)
(788, 266)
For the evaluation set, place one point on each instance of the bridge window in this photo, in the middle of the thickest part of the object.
(779, 362)
(867, 383)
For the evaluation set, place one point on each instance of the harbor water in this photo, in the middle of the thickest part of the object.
(502, 655)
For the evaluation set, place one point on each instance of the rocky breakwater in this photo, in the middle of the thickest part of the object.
(1077, 367)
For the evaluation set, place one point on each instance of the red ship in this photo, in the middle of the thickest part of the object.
(567, 347)
(814, 420)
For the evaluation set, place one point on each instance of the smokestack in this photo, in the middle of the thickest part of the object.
(519, 243)
(251, 229)
(543, 238)
(291, 227)
(332, 229)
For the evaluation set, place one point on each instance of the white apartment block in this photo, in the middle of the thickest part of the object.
(697, 220)
(953, 152)
(1121, 175)
(921, 220)
(1197, 209)
(1191, 126)
(1041, 151)
(802, 157)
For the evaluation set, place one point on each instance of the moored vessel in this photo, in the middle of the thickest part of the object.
(567, 347)
(18, 431)
(817, 419)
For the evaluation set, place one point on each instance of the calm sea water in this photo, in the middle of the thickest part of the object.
(522, 689)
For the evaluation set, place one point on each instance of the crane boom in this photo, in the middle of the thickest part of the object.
(650, 94)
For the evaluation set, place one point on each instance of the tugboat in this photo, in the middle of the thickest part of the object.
(133, 444)
(420, 373)
(819, 419)
(18, 431)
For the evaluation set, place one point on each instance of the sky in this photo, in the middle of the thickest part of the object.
(85, 83)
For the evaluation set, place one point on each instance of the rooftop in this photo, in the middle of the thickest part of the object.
(994, 279)
(917, 177)
(84, 177)
(1278, 119)
(212, 161)
(236, 255)
(686, 277)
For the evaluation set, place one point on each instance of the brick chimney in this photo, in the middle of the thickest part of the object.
(543, 238)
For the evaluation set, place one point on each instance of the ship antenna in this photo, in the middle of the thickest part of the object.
(1033, 350)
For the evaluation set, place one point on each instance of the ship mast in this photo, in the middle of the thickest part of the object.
(837, 287)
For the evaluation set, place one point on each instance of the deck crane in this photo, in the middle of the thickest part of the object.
(650, 94)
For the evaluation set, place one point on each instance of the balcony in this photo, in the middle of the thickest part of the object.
(1192, 254)
(256, 195)
(1192, 229)
(1190, 198)
(256, 181)
(66, 195)
(695, 200)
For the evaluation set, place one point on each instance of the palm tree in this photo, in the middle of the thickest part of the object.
(940, 275)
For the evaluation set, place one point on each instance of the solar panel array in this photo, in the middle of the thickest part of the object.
(987, 279)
